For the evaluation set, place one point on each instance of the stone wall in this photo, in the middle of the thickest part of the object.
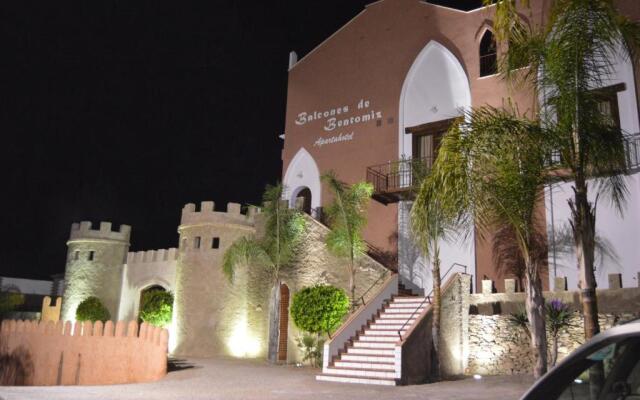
(142, 270)
(48, 353)
(314, 265)
(497, 347)
(210, 312)
(95, 259)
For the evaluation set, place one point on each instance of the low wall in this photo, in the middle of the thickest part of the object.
(495, 346)
(48, 353)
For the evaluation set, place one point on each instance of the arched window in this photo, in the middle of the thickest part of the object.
(488, 54)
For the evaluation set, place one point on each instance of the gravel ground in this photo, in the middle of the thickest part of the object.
(242, 379)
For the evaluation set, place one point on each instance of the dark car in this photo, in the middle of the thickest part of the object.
(607, 367)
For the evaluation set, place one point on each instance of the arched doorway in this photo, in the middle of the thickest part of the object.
(146, 291)
(283, 328)
(303, 200)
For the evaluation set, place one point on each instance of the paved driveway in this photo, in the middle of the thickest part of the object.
(242, 379)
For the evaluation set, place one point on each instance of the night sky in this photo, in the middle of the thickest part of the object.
(123, 111)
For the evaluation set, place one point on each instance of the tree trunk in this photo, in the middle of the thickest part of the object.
(352, 285)
(554, 350)
(583, 225)
(274, 323)
(534, 303)
(437, 301)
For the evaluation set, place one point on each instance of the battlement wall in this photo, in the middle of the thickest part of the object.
(48, 353)
(84, 230)
(206, 213)
(151, 256)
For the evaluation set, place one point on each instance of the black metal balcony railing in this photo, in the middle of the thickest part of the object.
(394, 181)
(632, 150)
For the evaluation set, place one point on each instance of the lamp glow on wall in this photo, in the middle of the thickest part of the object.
(241, 342)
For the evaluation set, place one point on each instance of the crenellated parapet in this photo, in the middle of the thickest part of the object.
(152, 256)
(206, 214)
(84, 231)
(94, 353)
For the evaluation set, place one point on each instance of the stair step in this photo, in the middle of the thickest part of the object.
(367, 358)
(377, 338)
(404, 316)
(361, 373)
(371, 351)
(404, 310)
(385, 332)
(351, 379)
(390, 321)
(389, 327)
(403, 299)
(406, 304)
(368, 365)
(375, 345)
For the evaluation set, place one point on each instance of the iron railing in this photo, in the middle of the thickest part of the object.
(397, 175)
(427, 298)
(360, 301)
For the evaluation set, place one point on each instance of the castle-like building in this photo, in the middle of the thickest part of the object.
(378, 93)
(212, 315)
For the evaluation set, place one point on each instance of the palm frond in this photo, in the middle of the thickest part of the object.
(244, 251)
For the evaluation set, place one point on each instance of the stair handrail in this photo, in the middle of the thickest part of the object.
(428, 297)
(374, 284)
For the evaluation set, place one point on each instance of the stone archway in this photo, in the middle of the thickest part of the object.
(148, 289)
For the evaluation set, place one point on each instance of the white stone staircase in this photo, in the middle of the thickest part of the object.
(372, 356)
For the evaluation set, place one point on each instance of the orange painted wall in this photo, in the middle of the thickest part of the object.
(48, 353)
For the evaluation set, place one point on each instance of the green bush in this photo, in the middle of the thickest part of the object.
(311, 347)
(319, 309)
(156, 307)
(91, 309)
(10, 300)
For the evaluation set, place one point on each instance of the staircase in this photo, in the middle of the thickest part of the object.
(372, 355)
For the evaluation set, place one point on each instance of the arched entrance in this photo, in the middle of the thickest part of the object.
(283, 328)
(145, 291)
(303, 200)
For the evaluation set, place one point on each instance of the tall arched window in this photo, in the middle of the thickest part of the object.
(488, 54)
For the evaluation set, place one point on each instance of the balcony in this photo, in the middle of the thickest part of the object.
(396, 181)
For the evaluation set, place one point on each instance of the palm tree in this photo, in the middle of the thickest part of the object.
(283, 229)
(430, 225)
(347, 218)
(569, 56)
(489, 172)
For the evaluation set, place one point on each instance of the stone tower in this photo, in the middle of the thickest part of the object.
(95, 259)
(210, 312)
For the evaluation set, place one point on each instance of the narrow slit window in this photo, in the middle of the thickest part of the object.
(76, 255)
(488, 54)
(91, 255)
(196, 242)
(215, 243)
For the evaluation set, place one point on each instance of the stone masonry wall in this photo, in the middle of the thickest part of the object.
(315, 265)
(497, 347)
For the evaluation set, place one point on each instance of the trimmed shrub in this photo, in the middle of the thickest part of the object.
(92, 309)
(319, 309)
(9, 301)
(156, 307)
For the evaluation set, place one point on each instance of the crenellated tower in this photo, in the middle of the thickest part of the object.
(208, 309)
(95, 258)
